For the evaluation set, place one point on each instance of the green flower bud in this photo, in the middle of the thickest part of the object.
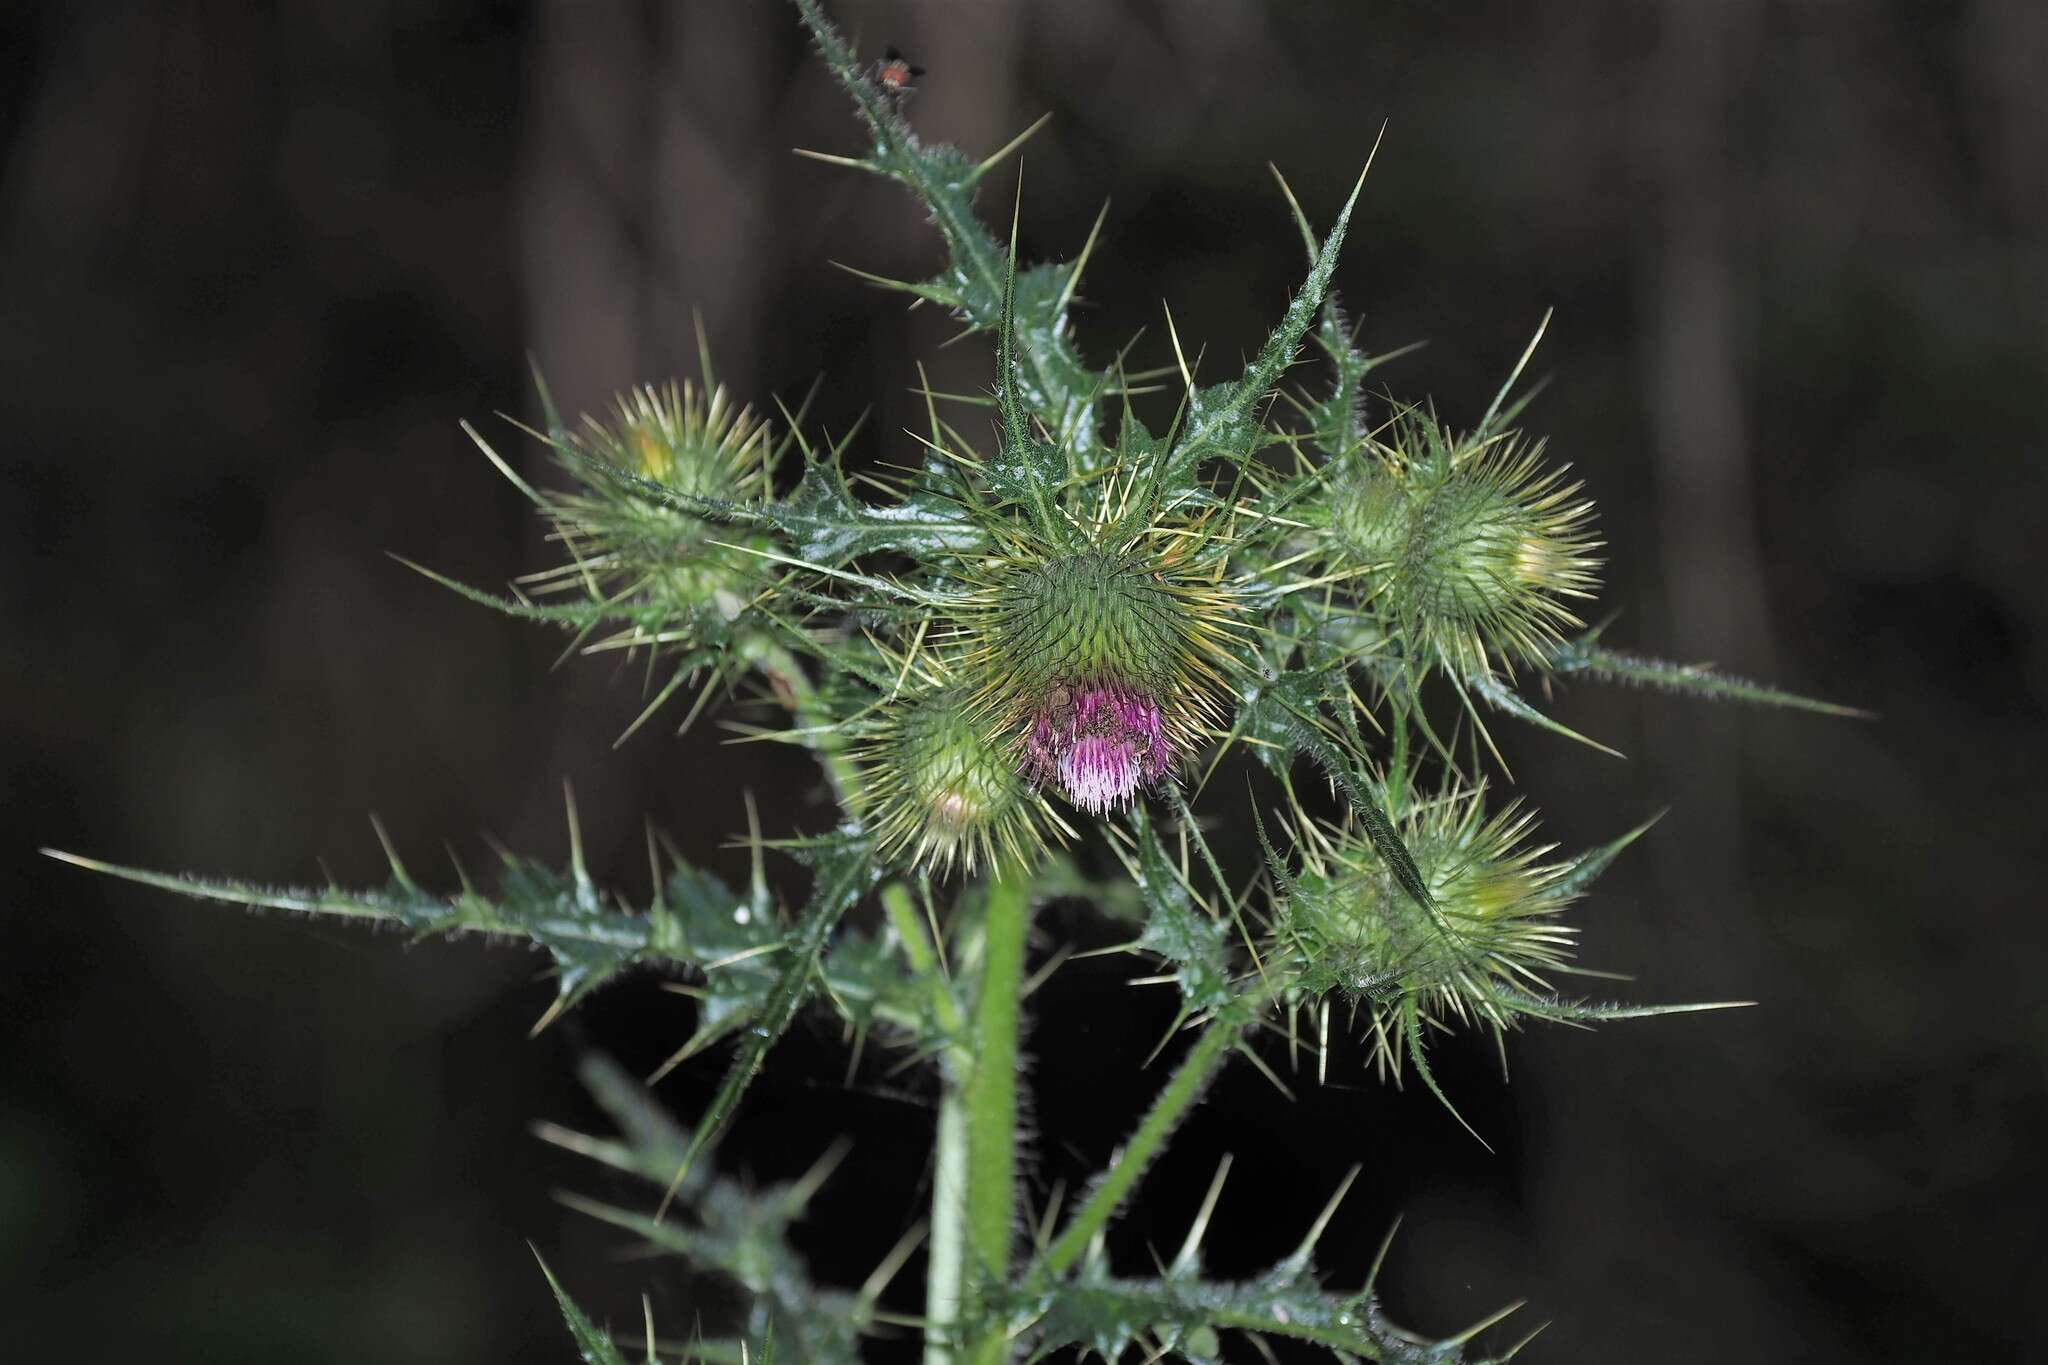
(1469, 551)
(1492, 546)
(937, 787)
(632, 550)
(698, 445)
(1351, 931)
(1368, 515)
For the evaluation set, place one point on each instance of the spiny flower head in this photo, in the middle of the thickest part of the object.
(938, 788)
(1469, 549)
(685, 438)
(1350, 930)
(1102, 663)
(631, 532)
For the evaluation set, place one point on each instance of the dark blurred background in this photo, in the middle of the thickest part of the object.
(256, 262)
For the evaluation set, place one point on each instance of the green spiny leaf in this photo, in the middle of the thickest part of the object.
(697, 923)
(1497, 694)
(829, 526)
(654, 1142)
(1588, 866)
(845, 870)
(1287, 711)
(1582, 656)
(734, 1230)
(1109, 1316)
(1561, 1010)
(1175, 929)
(1272, 707)
(1026, 472)
(1055, 385)
(1223, 419)
(590, 938)
(592, 1343)
(1337, 423)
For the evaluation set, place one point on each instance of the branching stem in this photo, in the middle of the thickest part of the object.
(1190, 1079)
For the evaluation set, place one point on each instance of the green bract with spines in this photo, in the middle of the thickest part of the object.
(1091, 614)
(1038, 630)
(1082, 603)
(1368, 510)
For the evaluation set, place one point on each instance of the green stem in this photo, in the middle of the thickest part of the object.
(946, 1266)
(1397, 761)
(946, 1263)
(990, 1101)
(778, 663)
(974, 1169)
(924, 964)
(1189, 1081)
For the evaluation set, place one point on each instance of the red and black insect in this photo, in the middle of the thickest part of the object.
(894, 74)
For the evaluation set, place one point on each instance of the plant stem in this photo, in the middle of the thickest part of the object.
(1189, 1080)
(945, 1269)
(923, 962)
(946, 1263)
(802, 699)
(990, 1101)
(1397, 759)
(974, 1157)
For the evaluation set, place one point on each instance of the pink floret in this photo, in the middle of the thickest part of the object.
(1100, 742)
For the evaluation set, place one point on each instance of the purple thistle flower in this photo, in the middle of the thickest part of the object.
(1099, 741)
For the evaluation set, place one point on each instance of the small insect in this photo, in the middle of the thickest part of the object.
(894, 74)
(1059, 707)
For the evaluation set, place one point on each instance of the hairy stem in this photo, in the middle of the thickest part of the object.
(946, 1264)
(794, 686)
(990, 1100)
(1397, 759)
(945, 1271)
(1189, 1081)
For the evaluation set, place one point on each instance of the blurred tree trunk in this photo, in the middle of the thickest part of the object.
(1696, 280)
(584, 191)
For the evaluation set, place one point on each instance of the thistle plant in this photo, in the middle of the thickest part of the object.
(1019, 665)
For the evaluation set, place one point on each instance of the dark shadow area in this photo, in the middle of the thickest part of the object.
(256, 265)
